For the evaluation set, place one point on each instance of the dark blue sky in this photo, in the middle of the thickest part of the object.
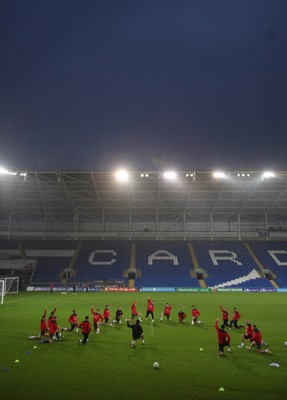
(149, 84)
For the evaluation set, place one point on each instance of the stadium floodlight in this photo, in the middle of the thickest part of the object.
(3, 171)
(268, 175)
(243, 174)
(170, 175)
(144, 175)
(122, 175)
(191, 175)
(219, 175)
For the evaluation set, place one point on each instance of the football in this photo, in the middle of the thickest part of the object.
(156, 364)
(285, 343)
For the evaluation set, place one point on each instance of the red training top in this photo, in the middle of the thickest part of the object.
(73, 319)
(257, 337)
(134, 308)
(150, 305)
(195, 312)
(53, 327)
(249, 330)
(222, 335)
(97, 316)
(51, 317)
(167, 309)
(224, 313)
(236, 315)
(85, 326)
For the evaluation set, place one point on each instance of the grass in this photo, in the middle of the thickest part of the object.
(109, 369)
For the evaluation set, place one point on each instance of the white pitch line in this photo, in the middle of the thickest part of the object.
(35, 308)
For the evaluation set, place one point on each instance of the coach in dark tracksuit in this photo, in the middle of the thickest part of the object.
(137, 332)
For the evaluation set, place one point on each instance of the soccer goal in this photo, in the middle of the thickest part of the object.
(11, 284)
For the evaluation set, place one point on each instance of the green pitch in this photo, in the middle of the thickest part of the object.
(107, 368)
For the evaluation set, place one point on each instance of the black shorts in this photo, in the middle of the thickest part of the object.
(247, 336)
(222, 345)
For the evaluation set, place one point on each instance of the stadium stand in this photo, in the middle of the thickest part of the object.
(9, 249)
(156, 263)
(228, 264)
(101, 261)
(273, 257)
(164, 264)
(53, 257)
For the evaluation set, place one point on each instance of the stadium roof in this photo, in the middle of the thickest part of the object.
(146, 193)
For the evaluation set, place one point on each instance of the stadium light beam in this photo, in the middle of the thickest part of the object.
(268, 175)
(3, 171)
(219, 175)
(122, 175)
(170, 175)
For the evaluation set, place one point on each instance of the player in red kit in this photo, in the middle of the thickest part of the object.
(223, 338)
(51, 316)
(195, 313)
(135, 313)
(73, 319)
(54, 330)
(248, 333)
(256, 341)
(235, 318)
(50, 319)
(86, 329)
(43, 325)
(107, 316)
(98, 318)
(43, 328)
(225, 315)
(181, 316)
(166, 312)
(150, 309)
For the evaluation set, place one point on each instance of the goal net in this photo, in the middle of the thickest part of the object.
(11, 284)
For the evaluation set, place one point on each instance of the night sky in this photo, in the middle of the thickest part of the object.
(93, 85)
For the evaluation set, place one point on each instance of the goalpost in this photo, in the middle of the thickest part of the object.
(2, 291)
